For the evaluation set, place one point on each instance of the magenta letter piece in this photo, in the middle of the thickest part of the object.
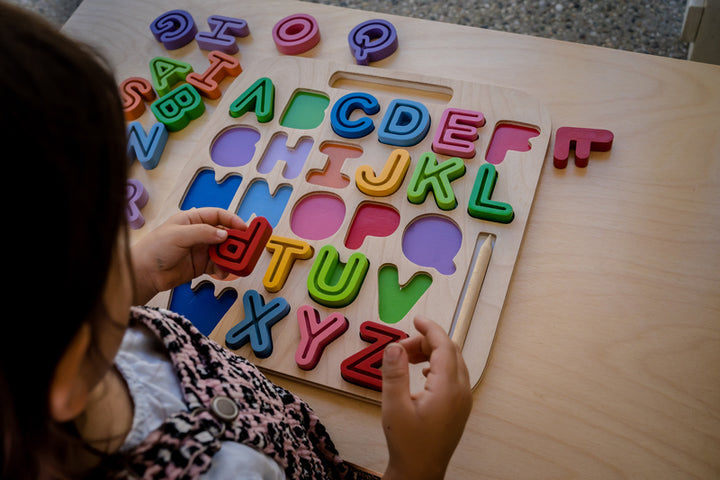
(315, 335)
(224, 32)
(296, 34)
(583, 140)
(137, 197)
(457, 133)
(174, 29)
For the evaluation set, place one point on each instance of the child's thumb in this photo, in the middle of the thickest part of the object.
(395, 374)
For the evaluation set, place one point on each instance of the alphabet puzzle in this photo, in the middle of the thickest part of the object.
(364, 207)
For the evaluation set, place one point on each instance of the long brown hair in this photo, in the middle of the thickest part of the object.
(63, 141)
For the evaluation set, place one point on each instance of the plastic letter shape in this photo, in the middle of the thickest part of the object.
(389, 180)
(481, 206)
(137, 197)
(457, 132)
(372, 40)
(168, 72)
(363, 368)
(146, 148)
(241, 250)
(174, 29)
(221, 65)
(179, 107)
(285, 251)
(315, 335)
(296, 34)
(223, 36)
(341, 110)
(583, 140)
(346, 288)
(405, 124)
(429, 175)
(255, 327)
(135, 91)
(260, 98)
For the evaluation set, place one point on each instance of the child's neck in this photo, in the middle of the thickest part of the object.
(108, 418)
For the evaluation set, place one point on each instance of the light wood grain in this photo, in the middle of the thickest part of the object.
(606, 356)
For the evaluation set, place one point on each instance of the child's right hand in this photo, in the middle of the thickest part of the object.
(423, 429)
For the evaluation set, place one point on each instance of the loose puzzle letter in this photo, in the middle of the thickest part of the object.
(296, 34)
(135, 91)
(240, 252)
(223, 34)
(168, 72)
(221, 65)
(583, 140)
(363, 368)
(147, 148)
(174, 29)
(137, 197)
(315, 335)
(179, 107)
(255, 327)
(372, 40)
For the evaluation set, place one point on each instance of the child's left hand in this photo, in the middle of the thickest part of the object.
(177, 251)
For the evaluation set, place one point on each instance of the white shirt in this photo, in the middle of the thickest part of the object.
(143, 362)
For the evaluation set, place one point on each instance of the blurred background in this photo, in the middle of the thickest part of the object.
(652, 26)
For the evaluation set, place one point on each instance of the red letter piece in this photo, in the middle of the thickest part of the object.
(240, 252)
(457, 133)
(134, 92)
(363, 368)
(315, 335)
(583, 140)
(221, 65)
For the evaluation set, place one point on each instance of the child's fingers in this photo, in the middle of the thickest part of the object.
(396, 381)
(210, 216)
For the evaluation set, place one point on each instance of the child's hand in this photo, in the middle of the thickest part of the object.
(177, 251)
(423, 429)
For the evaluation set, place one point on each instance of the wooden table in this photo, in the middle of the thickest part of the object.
(606, 361)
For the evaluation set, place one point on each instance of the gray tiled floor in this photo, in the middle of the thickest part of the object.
(645, 26)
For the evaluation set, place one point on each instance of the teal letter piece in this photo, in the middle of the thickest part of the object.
(335, 285)
(429, 175)
(481, 206)
(255, 327)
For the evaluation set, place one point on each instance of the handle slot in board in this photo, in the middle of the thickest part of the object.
(396, 87)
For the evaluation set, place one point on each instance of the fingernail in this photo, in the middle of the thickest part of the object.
(393, 352)
(221, 234)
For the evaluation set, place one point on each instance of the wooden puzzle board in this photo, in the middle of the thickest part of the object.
(518, 175)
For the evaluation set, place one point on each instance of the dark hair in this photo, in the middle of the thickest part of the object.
(63, 141)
